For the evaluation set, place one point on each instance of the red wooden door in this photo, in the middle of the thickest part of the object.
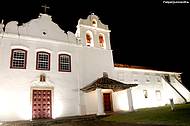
(107, 102)
(41, 104)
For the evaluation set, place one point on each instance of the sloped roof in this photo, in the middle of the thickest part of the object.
(107, 83)
(133, 66)
(148, 69)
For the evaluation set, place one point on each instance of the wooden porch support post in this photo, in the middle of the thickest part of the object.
(130, 99)
(100, 102)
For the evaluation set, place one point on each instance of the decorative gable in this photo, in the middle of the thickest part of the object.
(41, 27)
(93, 20)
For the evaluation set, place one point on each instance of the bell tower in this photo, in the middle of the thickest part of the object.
(96, 54)
(93, 33)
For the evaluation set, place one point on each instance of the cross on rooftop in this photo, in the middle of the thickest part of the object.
(45, 8)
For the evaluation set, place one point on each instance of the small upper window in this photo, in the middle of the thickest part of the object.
(42, 78)
(43, 61)
(147, 78)
(64, 63)
(145, 93)
(18, 59)
(158, 94)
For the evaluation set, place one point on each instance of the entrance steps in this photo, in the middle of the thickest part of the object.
(54, 122)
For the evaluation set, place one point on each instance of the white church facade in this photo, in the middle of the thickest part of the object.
(47, 73)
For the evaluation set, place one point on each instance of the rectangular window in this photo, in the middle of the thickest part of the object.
(145, 93)
(18, 59)
(147, 78)
(64, 63)
(43, 61)
(158, 94)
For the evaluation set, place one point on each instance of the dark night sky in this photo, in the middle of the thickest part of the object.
(143, 33)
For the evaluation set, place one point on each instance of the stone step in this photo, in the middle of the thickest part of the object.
(49, 122)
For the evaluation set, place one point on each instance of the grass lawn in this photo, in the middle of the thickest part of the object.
(160, 115)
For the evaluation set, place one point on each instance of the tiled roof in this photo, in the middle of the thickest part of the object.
(133, 66)
(155, 69)
(107, 83)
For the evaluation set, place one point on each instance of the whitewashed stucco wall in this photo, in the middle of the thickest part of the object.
(151, 81)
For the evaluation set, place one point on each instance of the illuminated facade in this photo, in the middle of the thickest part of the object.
(47, 73)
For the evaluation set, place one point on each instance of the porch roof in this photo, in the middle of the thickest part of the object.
(107, 83)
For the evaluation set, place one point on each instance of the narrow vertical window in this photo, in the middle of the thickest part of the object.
(18, 59)
(43, 61)
(64, 63)
(42, 78)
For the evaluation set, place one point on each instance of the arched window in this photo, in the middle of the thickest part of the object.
(89, 39)
(43, 60)
(102, 41)
(64, 63)
(18, 59)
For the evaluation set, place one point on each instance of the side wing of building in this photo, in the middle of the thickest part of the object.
(155, 88)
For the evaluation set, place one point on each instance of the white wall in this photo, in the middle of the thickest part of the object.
(152, 82)
(120, 101)
(88, 63)
(91, 103)
(16, 84)
(170, 93)
(93, 62)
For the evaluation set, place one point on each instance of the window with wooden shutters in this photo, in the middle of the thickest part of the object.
(43, 61)
(64, 63)
(18, 59)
